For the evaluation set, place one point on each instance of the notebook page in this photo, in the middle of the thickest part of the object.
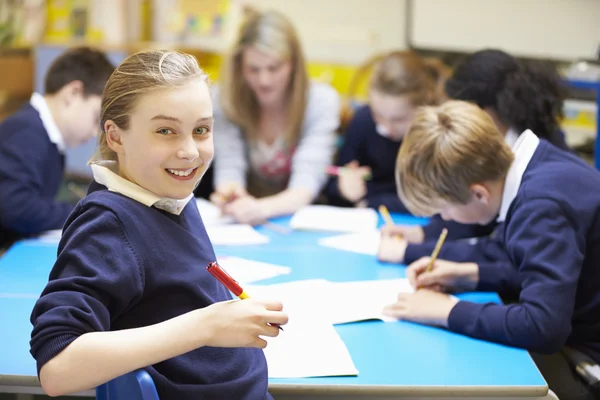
(248, 271)
(361, 243)
(308, 347)
(363, 300)
(334, 219)
(336, 302)
(235, 235)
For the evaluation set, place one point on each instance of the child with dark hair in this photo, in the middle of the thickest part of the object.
(517, 95)
(34, 139)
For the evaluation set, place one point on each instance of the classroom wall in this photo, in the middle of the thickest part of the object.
(344, 31)
(556, 29)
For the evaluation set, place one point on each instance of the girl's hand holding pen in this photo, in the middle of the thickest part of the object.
(240, 323)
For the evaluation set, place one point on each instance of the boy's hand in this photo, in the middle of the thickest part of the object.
(226, 193)
(391, 249)
(247, 210)
(424, 307)
(351, 182)
(410, 233)
(240, 323)
(444, 275)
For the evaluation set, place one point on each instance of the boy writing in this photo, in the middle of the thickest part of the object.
(455, 162)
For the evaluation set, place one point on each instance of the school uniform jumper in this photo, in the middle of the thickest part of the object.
(364, 144)
(31, 171)
(121, 265)
(550, 215)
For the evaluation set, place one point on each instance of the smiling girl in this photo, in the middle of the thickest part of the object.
(130, 288)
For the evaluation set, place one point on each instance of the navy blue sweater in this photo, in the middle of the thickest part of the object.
(552, 239)
(124, 265)
(363, 144)
(31, 170)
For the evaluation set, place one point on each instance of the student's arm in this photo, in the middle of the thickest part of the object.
(456, 230)
(23, 207)
(548, 252)
(313, 154)
(353, 140)
(91, 282)
(230, 164)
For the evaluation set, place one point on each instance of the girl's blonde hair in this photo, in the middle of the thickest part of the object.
(405, 73)
(138, 74)
(269, 31)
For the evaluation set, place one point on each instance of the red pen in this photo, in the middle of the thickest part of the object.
(234, 287)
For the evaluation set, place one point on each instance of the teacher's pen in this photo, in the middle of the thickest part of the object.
(231, 284)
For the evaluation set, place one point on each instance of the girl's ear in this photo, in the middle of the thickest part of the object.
(114, 136)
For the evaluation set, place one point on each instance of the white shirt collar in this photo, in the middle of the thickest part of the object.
(524, 148)
(105, 174)
(511, 137)
(38, 102)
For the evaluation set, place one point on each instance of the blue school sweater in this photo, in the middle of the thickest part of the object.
(363, 144)
(552, 239)
(124, 265)
(433, 228)
(31, 171)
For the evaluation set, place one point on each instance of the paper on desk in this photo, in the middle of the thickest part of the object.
(336, 302)
(211, 214)
(248, 271)
(334, 219)
(52, 236)
(235, 235)
(308, 347)
(362, 243)
(363, 300)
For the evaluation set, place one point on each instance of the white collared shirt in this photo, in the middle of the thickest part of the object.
(38, 102)
(511, 137)
(524, 148)
(105, 174)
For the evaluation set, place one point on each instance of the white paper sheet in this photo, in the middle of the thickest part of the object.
(308, 347)
(334, 219)
(362, 243)
(335, 302)
(248, 271)
(362, 300)
(211, 214)
(235, 235)
(52, 236)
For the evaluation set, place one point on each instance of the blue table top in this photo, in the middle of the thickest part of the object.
(398, 354)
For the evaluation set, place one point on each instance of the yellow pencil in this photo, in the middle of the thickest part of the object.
(385, 214)
(436, 250)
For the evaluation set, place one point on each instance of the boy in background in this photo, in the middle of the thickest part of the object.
(34, 139)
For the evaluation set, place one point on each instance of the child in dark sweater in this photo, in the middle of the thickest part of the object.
(130, 288)
(518, 96)
(455, 162)
(401, 81)
(34, 139)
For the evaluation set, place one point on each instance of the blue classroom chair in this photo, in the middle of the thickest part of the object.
(136, 385)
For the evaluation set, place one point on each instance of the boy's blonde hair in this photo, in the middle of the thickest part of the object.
(138, 74)
(446, 150)
(272, 32)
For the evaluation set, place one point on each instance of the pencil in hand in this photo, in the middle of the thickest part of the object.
(436, 250)
(387, 218)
